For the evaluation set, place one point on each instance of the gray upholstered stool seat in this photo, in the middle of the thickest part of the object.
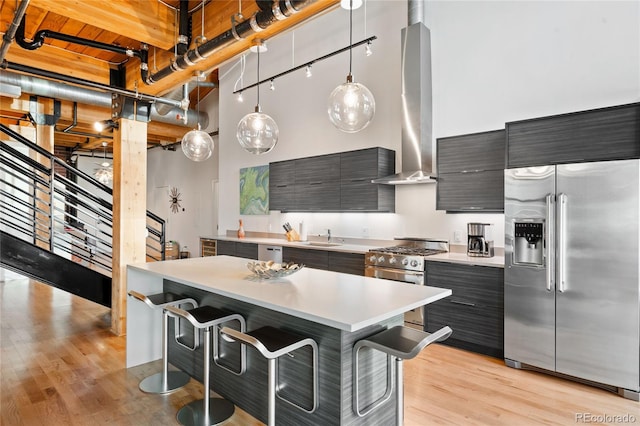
(166, 381)
(272, 343)
(398, 343)
(209, 411)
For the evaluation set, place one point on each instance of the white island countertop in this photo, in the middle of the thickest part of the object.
(343, 301)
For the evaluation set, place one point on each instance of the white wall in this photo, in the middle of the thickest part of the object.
(196, 182)
(493, 62)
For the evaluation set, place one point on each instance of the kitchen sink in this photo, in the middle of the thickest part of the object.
(323, 244)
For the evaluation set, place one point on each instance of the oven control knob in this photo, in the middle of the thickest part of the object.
(381, 259)
(392, 260)
(414, 263)
(405, 262)
(373, 258)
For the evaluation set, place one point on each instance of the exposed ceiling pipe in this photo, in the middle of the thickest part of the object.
(56, 90)
(270, 12)
(184, 28)
(38, 41)
(7, 39)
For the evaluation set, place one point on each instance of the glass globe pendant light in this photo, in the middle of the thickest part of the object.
(257, 132)
(197, 145)
(351, 105)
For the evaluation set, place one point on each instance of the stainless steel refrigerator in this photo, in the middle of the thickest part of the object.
(572, 285)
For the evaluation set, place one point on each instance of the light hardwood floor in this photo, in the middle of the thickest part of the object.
(60, 365)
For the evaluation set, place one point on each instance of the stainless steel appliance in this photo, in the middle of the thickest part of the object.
(404, 262)
(479, 240)
(572, 285)
(268, 252)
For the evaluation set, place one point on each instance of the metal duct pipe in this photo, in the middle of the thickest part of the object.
(7, 39)
(56, 90)
(415, 12)
(258, 22)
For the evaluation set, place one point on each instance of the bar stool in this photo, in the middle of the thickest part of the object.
(166, 381)
(272, 343)
(209, 411)
(398, 343)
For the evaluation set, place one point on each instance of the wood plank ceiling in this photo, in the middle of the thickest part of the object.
(126, 23)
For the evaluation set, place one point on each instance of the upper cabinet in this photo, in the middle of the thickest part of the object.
(333, 183)
(603, 134)
(471, 172)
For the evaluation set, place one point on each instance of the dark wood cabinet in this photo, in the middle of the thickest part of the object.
(602, 134)
(282, 185)
(334, 182)
(471, 172)
(357, 169)
(318, 259)
(349, 263)
(476, 191)
(237, 249)
(475, 310)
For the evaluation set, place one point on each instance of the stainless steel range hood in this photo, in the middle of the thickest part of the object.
(417, 139)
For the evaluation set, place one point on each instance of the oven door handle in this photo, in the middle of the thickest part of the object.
(413, 277)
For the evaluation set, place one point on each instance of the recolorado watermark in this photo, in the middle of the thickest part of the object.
(605, 418)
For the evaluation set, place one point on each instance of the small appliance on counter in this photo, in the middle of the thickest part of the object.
(479, 239)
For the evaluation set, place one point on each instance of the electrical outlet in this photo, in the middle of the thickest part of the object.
(457, 236)
(365, 232)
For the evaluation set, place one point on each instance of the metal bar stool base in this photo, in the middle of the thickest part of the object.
(192, 414)
(175, 380)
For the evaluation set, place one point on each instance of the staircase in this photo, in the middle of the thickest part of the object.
(56, 222)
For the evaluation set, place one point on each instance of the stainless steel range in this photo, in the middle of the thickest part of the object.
(404, 262)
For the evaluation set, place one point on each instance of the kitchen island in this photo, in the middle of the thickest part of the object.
(334, 309)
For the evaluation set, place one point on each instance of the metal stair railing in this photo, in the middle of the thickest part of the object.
(60, 208)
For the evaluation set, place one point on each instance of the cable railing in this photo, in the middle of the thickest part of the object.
(57, 207)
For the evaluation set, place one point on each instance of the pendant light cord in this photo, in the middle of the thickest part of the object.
(258, 74)
(350, 34)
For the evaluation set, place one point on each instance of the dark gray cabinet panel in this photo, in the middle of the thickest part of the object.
(226, 248)
(471, 172)
(474, 191)
(281, 185)
(349, 263)
(357, 169)
(232, 248)
(334, 182)
(318, 259)
(473, 152)
(603, 134)
(475, 310)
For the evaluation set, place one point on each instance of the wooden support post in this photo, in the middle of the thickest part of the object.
(42, 197)
(129, 211)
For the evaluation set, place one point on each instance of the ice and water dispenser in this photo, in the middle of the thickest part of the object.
(528, 247)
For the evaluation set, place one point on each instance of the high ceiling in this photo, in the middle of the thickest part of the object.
(129, 24)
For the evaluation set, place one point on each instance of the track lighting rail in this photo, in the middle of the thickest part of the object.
(306, 64)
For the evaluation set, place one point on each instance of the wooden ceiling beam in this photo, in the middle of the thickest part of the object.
(148, 21)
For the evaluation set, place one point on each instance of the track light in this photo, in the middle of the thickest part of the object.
(367, 49)
(308, 72)
(349, 5)
(240, 98)
(271, 86)
(101, 126)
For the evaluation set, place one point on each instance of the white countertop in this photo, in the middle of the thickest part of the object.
(344, 301)
(495, 261)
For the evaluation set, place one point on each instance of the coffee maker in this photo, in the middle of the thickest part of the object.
(479, 240)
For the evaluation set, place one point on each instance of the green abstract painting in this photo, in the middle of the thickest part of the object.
(254, 190)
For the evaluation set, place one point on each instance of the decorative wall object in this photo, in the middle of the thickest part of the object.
(174, 200)
(254, 190)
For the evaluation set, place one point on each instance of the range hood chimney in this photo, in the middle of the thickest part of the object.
(417, 132)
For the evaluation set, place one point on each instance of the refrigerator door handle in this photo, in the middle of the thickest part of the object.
(562, 225)
(550, 240)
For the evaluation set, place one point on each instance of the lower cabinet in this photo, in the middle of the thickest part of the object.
(232, 248)
(348, 263)
(207, 247)
(475, 310)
